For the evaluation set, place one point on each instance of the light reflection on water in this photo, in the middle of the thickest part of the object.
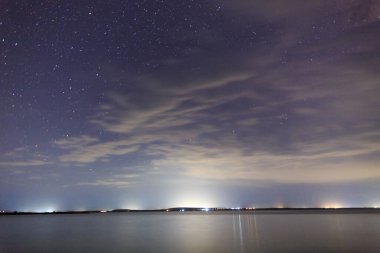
(191, 232)
(246, 238)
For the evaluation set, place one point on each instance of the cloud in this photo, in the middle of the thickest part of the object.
(189, 140)
(337, 160)
(276, 9)
(297, 104)
(24, 157)
(24, 163)
(76, 142)
(301, 13)
(298, 121)
(84, 149)
(117, 181)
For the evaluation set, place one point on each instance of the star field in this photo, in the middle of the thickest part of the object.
(152, 104)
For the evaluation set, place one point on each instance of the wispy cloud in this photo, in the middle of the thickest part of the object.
(118, 181)
(327, 161)
(235, 143)
(24, 163)
(307, 120)
(285, 109)
(24, 157)
(84, 149)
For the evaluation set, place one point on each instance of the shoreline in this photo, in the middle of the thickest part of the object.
(356, 210)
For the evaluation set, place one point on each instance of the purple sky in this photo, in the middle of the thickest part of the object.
(153, 104)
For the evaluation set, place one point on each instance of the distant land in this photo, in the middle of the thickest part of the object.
(202, 209)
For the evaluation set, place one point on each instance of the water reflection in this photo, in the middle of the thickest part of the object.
(245, 233)
(305, 232)
(191, 232)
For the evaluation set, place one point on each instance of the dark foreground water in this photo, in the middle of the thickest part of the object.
(191, 232)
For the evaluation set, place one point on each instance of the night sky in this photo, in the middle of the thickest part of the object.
(154, 104)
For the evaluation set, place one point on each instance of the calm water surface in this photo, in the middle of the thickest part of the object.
(191, 232)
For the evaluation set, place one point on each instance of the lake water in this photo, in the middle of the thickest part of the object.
(190, 232)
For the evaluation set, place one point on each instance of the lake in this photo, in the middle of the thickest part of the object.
(191, 232)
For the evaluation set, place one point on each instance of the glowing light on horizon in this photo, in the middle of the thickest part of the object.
(48, 210)
(333, 205)
(132, 206)
(193, 201)
(43, 209)
(280, 205)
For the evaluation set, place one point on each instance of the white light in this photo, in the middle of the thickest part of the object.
(49, 210)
